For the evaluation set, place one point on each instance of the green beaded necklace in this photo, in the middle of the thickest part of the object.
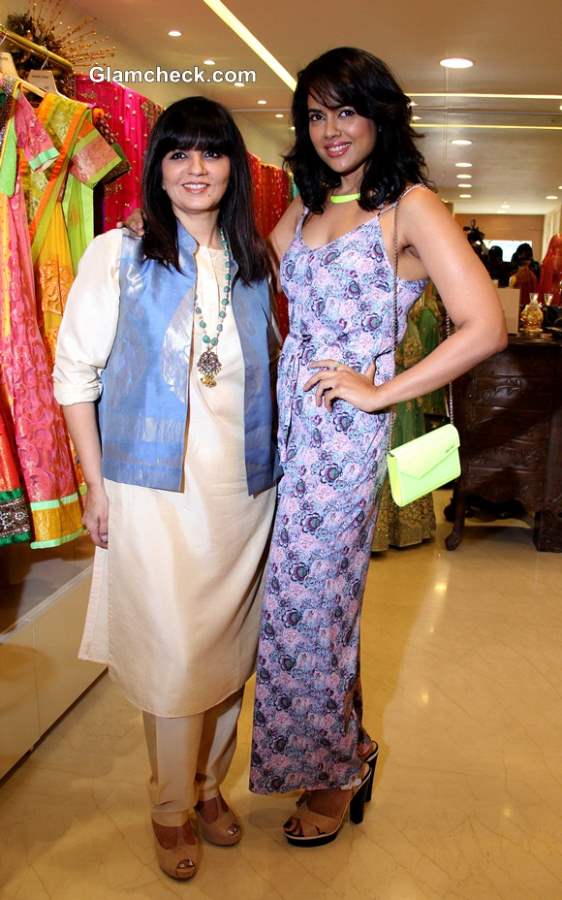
(208, 363)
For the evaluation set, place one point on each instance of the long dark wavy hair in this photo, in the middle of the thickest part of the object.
(197, 123)
(347, 76)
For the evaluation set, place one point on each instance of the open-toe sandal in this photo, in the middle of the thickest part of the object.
(177, 850)
(311, 829)
(225, 830)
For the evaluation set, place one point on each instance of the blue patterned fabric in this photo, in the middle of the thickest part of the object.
(144, 403)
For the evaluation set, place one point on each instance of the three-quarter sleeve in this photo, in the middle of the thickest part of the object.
(89, 323)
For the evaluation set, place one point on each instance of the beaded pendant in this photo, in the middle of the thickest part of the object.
(209, 365)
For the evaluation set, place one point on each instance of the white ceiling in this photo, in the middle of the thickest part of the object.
(515, 46)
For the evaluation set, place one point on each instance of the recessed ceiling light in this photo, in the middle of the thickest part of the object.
(174, 34)
(461, 142)
(551, 197)
(416, 118)
(209, 62)
(465, 196)
(412, 103)
(463, 165)
(559, 187)
(262, 102)
(561, 107)
(278, 115)
(456, 62)
(238, 84)
(467, 186)
(291, 127)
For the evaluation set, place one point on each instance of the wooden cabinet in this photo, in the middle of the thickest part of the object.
(508, 411)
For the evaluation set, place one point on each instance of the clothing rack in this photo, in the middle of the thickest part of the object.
(24, 44)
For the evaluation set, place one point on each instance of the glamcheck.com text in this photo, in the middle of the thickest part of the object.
(172, 76)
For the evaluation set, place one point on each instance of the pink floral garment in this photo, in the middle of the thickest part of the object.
(35, 419)
(308, 731)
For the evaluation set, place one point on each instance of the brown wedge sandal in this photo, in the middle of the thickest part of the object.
(225, 830)
(177, 849)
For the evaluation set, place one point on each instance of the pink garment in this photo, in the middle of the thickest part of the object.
(551, 270)
(35, 418)
(131, 118)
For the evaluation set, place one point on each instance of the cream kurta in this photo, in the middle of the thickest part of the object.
(174, 607)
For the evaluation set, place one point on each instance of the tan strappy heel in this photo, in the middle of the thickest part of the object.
(177, 849)
(225, 830)
(327, 828)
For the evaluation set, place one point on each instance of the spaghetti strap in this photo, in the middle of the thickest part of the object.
(406, 191)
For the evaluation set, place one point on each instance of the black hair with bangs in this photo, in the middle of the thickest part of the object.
(347, 76)
(197, 123)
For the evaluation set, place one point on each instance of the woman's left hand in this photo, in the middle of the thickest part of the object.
(339, 382)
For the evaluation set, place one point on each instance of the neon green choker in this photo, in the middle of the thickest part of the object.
(344, 198)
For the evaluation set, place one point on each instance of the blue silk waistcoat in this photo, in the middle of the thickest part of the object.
(144, 401)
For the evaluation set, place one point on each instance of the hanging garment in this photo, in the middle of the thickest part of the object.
(408, 525)
(60, 205)
(14, 517)
(33, 417)
(131, 118)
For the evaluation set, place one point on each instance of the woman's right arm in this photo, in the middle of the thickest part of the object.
(282, 235)
(84, 343)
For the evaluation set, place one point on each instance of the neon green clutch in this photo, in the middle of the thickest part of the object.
(424, 464)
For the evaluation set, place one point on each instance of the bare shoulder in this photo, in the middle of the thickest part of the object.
(421, 209)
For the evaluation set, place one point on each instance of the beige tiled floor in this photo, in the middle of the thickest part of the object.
(463, 689)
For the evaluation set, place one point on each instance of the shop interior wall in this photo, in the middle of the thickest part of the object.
(508, 228)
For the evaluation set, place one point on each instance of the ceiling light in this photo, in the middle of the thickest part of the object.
(465, 196)
(174, 34)
(463, 165)
(222, 11)
(238, 84)
(561, 107)
(456, 62)
(479, 94)
(464, 175)
(461, 142)
(559, 187)
(209, 62)
(467, 186)
(412, 103)
(551, 197)
(291, 127)
(416, 118)
(262, 102)
(278, 115)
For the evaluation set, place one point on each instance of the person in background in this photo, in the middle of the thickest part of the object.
(523, 256)
(181, 493)
(497, 268)
(524, 279)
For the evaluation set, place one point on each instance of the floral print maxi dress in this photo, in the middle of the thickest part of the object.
(307, 717)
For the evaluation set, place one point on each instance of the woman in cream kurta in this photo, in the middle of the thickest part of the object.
(205, 545)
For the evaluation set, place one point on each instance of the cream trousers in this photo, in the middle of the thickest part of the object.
(189, 757)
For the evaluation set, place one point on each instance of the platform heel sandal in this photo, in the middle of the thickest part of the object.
(327, 827)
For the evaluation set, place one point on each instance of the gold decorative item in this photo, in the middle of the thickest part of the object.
(75, 45)
(532, 316)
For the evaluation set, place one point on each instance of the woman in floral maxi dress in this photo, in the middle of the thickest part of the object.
(354, 158)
